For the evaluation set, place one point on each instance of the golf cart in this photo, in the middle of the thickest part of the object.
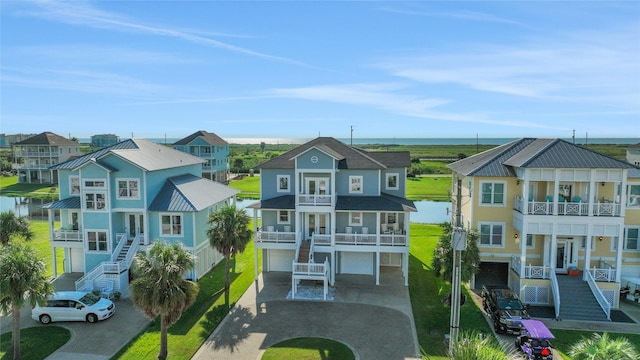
(534, 340)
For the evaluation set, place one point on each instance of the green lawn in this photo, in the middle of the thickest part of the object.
(308, 349)
(250, 187)
(9, 187)
(436, 188)
(32, 346)
(566, 338)
(42, 245)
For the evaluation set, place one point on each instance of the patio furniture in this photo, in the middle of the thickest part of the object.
(107, 291)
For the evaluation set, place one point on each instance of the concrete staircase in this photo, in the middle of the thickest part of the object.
(123, 253)
(577, 301)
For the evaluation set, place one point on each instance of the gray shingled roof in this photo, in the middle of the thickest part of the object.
(72, 202)
(143, 153)
(47, 138)
(534, 153)
(287, 202)
(187, 192)
(209, 138)
(349, 157)
(633, 173)
(384, 202)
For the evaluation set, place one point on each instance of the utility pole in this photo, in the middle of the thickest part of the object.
(458, 243)
(351, 127)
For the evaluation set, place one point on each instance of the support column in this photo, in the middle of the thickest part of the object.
(619, 254)
(51, 221)
(255, 244)
(377, 267)
(405, 267)
(587, 253)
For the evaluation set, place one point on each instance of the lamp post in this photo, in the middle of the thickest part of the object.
(458, 243)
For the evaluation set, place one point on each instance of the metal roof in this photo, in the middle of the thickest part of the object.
(188, 192)
(534, 153)
(72, 202)
(489, 163)
(47, 138)
(143, 153)
(209, 138)
(349, 157)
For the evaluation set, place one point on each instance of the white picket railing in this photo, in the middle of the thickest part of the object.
(555, 290)
(602, 300)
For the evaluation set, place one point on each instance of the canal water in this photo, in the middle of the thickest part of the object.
(429, 212)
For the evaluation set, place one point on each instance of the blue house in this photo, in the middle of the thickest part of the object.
(212, 149)
(120, 199)
(328, 208)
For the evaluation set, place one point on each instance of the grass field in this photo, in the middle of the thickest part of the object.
(32, 346)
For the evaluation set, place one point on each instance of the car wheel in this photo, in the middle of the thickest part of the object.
(496, 327)
(45, 319)
(92, 318)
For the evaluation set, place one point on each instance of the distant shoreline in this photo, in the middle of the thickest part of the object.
(396, 141)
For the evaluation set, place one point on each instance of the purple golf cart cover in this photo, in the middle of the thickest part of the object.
(537, 329)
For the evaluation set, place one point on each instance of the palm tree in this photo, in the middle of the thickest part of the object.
(159, 286)
(476, 346)
(442, 262)
(229, 234)
(603, 347)
(12, 225)
(22, 278)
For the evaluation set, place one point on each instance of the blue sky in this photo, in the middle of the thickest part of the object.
(299, 69)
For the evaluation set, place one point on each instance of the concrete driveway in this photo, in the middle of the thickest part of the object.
(98, 341)
(376, 322)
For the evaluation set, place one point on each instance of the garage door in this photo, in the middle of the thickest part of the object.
(356, 263)
(280, 260)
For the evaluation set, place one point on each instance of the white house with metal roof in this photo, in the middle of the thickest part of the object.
(118, 200)
(38, 153)
(328, 208)
(546, 209)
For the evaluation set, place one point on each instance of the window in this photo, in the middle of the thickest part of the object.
(74, 185)
(355, 184)
(631, 239)
(492, 193)
(392, 182)
(530, 241)
(634, 196)
(171, 224)
(491, 234)
(95, 201)
(283, 183)
(128, 188)
(94, 184)
(355, 218)
(97, 241)
(283, 217)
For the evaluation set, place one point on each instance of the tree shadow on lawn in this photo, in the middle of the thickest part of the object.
(211, 289)
(235, 330)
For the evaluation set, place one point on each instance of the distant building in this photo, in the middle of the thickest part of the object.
(14, 138)
(210, 147)
(3, 140)
(36, 154)
(633, 154)
(104, 140)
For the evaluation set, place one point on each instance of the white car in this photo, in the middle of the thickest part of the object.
(73, 306)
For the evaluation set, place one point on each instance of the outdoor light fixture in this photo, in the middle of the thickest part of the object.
(600, 238)
(515, 236)
(602, 183)
(518, 182)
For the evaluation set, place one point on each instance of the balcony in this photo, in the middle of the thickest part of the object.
(276, 237)
(385, 239)
(314, 200)
(67, 238)
(566, 208)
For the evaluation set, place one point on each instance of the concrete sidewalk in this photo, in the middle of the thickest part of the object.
(376, 322)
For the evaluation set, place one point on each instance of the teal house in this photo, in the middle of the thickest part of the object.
(120, 199)
(212, 149)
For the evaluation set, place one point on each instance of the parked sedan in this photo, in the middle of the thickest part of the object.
(73, 306)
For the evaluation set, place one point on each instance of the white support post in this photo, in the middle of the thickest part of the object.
(378, 268)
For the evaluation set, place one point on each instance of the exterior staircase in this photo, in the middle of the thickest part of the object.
(122, 255)
(577, 300)
(305, 248)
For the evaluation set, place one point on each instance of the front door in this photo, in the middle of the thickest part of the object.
(566, 255)
(135, 226)
(316, 186)
(317, 224)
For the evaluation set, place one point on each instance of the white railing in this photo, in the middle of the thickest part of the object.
(121, 240)
(393, 239)
(311, 248)
(607, 274)
(315, 200)
(565, 208)
(356, 239)
(515, 264)
(555, 290)
(604, 304)
(276, 236)
(131, 252)
(67, 235)
(537, 272)
(311, 269)
(322, 239)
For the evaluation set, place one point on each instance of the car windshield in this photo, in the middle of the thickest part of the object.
(510, 304)
(89, 299)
